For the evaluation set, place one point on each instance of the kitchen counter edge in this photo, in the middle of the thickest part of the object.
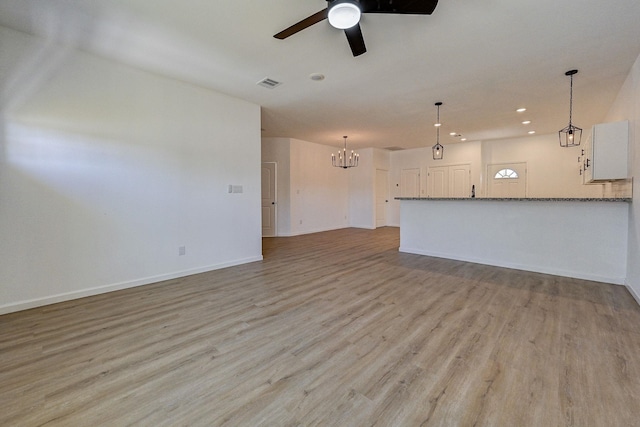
(524, 199)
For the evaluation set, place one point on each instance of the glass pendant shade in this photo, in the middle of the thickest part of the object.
(343, 14)
(570, 136)
(438, 151)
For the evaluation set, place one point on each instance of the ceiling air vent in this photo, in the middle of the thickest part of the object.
(268, 83)
(393, 148)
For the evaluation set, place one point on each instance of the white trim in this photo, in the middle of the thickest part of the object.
(633, 293)
(68, 296)
(515, 266)
(366, 227)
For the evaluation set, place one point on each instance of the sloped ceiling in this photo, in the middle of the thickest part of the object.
(482, 59)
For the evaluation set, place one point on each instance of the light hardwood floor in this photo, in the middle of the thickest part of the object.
(331, 329)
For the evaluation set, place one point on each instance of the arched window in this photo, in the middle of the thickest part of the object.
(506, 174)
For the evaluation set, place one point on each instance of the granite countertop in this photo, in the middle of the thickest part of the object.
(526, 199)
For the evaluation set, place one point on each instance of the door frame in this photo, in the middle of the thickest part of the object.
(386, 198)
(275, 198)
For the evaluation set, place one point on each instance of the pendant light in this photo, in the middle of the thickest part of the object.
(342, 161)
(571, 135)
(438, 149)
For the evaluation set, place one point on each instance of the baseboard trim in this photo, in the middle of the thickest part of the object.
(83, 293)
(313, 231)
(633, 293)
(535, 269)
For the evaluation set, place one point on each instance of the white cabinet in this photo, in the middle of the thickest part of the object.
(606, 152)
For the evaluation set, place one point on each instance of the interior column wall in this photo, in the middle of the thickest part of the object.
(112, 177)
(627, 107)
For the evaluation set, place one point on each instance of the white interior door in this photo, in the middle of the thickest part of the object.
(269, 199)
(507, 180)
(438, 181)
(382, 197)
(460, 181)
(410, 183)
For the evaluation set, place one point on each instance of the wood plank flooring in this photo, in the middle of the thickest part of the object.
(331, 329)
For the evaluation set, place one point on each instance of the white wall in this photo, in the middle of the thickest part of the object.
(627, 107)
(422, 158)
(585, 240)
(362, 191)
(106, 170)
(313, 196)
(552, 171)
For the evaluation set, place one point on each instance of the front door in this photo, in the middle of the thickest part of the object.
(507, 180)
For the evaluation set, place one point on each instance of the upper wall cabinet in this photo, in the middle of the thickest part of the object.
(606, 152)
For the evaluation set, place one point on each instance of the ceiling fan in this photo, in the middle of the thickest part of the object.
(345, 15)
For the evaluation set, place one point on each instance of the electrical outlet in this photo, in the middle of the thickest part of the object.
(182, 250)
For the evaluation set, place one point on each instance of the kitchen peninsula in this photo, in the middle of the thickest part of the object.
(581, 238)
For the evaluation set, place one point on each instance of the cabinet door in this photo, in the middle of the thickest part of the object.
(610, 142)
(587, 162)
(449, 181)
(459, 181)
(410, 183)
(438, 179)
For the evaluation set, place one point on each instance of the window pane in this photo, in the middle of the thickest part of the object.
(506, 174)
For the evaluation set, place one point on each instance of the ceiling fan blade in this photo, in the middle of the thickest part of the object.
(305, 23)
(414, 7)
(356, 40)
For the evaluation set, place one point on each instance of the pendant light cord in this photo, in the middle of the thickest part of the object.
(438, 128)
(571, 100)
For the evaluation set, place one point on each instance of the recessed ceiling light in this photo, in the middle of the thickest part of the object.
(463, 139)
(316, 77)
(531, 132)
(526, 122)
(453, 134)
(521, 110)
(438, 124)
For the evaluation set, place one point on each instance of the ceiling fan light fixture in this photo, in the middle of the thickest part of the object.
(344, 14)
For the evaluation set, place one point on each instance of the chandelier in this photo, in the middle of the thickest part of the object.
(342, 161)
(438, 149)
(571, 135)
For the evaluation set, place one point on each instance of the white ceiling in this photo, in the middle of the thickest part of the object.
(483, 59)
